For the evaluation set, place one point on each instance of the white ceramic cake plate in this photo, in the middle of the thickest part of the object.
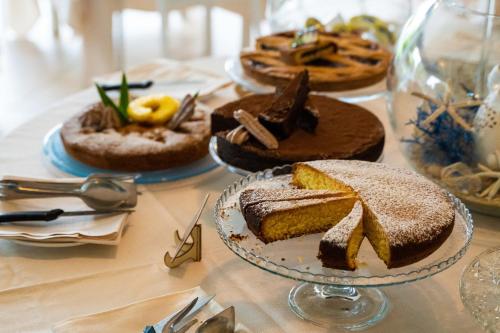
(328, 297)
(236, 73)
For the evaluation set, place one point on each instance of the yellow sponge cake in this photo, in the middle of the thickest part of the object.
(339, 246)
(280, 214)
(406, 218)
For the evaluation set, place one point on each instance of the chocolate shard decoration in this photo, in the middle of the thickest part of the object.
(238, 136)
(307, 52)
(308, 118)
(255, 128)
(186, 111)
(281, 117)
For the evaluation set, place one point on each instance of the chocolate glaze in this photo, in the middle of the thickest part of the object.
(308, 118)
(281, 117)
(333, 256)
(345, 131)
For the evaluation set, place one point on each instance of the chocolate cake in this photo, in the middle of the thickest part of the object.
(342, 131)
(282, 116)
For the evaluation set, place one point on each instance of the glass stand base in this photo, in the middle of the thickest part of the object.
(338, 307)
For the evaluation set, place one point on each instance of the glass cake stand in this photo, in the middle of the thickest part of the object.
(236, 73)
(212, 149)
(327, 297)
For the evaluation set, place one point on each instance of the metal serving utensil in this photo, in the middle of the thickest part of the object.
(180, 321)
(223, 322)
(98, 192)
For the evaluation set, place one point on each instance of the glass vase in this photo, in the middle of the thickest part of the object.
(444, 97)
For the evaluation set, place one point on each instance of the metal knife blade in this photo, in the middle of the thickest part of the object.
(202, 301)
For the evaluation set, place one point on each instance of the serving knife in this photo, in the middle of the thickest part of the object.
(148, 84)
(50, 215)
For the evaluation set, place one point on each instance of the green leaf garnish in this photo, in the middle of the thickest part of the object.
(124, 99)
(124, 96)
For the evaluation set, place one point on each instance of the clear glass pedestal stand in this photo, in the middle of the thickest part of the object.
(338, 307)
(334, 299)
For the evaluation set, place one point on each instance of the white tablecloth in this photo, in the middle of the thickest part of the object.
(39, 287)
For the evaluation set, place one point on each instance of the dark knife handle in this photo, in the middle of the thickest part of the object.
(149, 329)
(43, 215)
(131, 85)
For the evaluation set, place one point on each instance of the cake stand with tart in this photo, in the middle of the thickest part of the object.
(327, 297)
(343, 64)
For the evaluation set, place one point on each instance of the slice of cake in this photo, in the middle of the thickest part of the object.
(277, 219)
(254, 196)
(407, 217)
(339, 246)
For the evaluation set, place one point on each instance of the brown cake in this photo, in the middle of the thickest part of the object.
(343, 131)
(407, 217)
(339, 246)
(335, 61)
(280, 214)
(94, 137)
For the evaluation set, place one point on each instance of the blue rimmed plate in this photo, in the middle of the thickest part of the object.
(54, 152)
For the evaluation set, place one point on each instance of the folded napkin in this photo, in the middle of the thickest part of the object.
(95, 229)
(133, 317)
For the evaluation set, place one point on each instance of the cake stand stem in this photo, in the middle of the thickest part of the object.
(338, 306)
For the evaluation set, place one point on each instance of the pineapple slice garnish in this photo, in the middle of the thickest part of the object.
(153, 109)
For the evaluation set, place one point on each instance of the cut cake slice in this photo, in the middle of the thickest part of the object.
(285, 213)
(340, 245)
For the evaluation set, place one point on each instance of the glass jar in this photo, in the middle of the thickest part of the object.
(444, 97)
(282, 15)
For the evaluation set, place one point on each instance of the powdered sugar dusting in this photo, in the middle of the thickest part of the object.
(267, 207)
(254, 196)
(342, 231)
(409, 207)
(136, 140)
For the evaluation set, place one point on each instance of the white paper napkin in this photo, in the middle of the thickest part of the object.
(95, 229)
(133, 317)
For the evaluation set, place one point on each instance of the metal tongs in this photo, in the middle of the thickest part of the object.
(98, 191)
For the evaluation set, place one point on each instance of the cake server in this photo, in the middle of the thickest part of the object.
(148, 84)
(179, 321)
(223, 322)
(50, 215)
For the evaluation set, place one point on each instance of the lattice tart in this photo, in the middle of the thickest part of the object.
(335, 61)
